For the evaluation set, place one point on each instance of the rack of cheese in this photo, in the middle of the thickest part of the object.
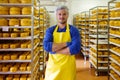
(44, 24)
(19, 39)
(114, 39)
(98, 38)
(81, 22)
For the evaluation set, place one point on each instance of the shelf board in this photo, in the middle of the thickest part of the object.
(18, 38)
(118, 45)
(115, 52)
(114, 35)
(114, 18)
(6, 61)
(95, 60)
(11, 16)
(95, 47)
(115, 70)
(18, 72)
(114, 9)
(16, 49)
(99, 30)
(113, 60)
(99, 41)
(16, 4)
(99, 36)
(99, 68)
(117, 27)
(87, 55)
(113, 77)
(98, 55)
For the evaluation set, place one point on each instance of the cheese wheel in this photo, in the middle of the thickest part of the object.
(117, 5)
(23, 45)
(23, 68)
(14, 1)
(30, 78)
(5, 34)
(14, 35)
(26, 10)
(25, 22)
(0, 34)
(4, 10)
(29, 46)
(13, 22)
(16, 78)
(42, 10)
(3, 1)
(22, 57)
(3, 22)
(25, 1)
(5, 46)
(1, 56)
(23, 78)
(24, 34)
(5, 69)
(41, 16)
(29, 68)
(13, 46)
(28, 57)
(6, 57)
(14, 11)
(13, 69)
(9, 78)
(14, 57)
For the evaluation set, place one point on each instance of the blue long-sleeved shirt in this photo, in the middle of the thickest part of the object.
(74, 45)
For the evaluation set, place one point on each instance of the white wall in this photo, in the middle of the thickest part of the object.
(77, 6)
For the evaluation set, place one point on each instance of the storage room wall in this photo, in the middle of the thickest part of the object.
(76, 6)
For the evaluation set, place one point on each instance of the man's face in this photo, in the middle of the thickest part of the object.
(62, 16)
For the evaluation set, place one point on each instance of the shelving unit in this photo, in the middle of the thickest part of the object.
(81, 22)
(114, 39)
(98, 39)
(44, 24)
(19, 40)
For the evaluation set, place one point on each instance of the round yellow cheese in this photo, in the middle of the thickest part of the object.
(13, 22)
(24, 34)
(14, 1)
(6, 57)
(14, 35)
(9, 78)
(22, 57)
(1, 56)
(5, 34)
(25, 22)
(15, 11)
(3, 22)
(25, 1)
(26, 10)
(3, 1)
(117, 5)
(4, 10)
(13, 69)
(14, 56)
(5, 69)
(23, 68)
(5, 46)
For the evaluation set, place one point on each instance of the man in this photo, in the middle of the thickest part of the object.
(62, 41)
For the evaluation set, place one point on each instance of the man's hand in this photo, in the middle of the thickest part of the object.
(58, 46)
(65, 51)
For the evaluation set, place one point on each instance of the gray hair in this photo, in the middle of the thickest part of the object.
(63, 7)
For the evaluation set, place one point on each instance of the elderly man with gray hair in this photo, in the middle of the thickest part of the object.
(62, 41)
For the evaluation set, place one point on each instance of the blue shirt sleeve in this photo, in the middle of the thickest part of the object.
(75, 43)
(48, 40)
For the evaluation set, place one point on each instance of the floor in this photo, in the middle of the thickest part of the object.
(86, 73)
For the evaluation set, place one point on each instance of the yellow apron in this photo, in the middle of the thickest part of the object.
(60, 66)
